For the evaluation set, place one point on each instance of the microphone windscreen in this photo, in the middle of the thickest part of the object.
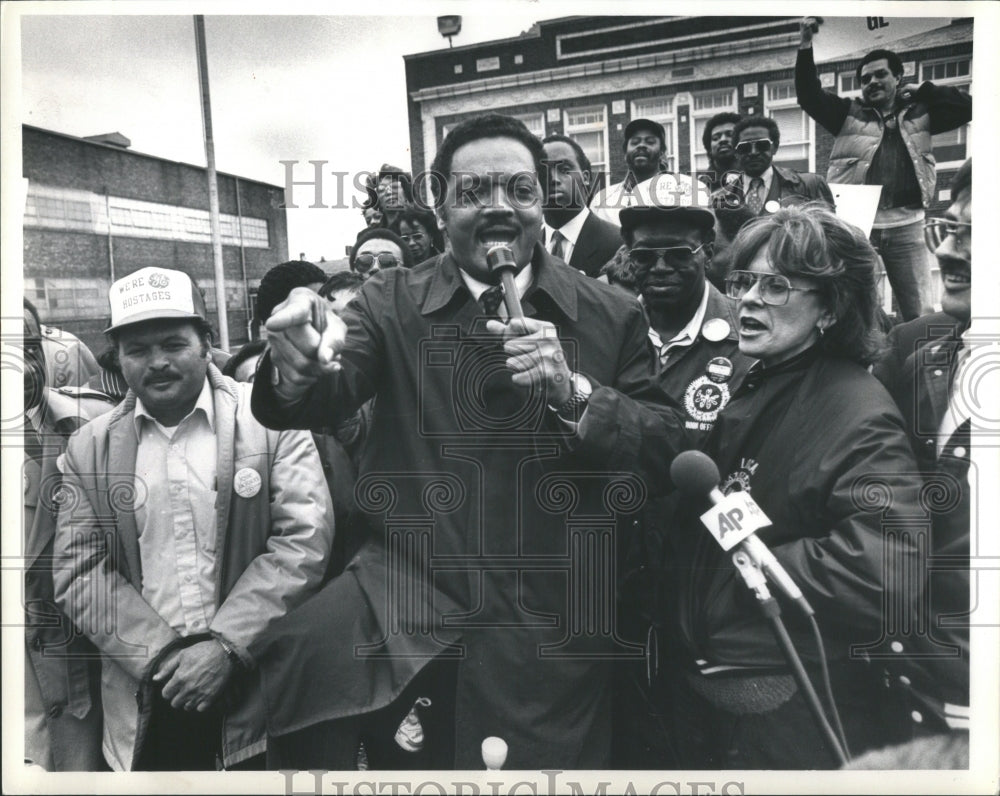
(694, 472)
(499, 257)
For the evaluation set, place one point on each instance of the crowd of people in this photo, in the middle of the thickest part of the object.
(442, 500)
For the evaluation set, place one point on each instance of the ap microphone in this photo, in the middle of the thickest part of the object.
(500, 261)
(733, 519)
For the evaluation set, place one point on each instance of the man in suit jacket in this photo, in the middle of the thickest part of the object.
(572, 232)
(904, 339)
(761, 187)
(929, 675)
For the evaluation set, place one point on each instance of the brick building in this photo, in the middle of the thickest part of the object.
(97, 211)
(587, 77)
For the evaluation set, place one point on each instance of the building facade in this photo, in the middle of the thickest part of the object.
(97, 211)
(587, 77)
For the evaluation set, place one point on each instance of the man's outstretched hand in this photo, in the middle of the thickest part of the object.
(305, 337)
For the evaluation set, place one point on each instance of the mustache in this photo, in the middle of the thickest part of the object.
(160, 377)
(948, 263)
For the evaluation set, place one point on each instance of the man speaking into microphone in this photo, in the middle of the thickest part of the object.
(490, 435)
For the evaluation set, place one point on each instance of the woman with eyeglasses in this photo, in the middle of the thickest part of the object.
(419, 231)
(821, 448)
(377, 248)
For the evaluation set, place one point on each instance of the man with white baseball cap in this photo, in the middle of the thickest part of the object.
(218, 527)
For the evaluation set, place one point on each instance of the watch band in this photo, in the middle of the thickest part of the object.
(577, 401)
(230, 652)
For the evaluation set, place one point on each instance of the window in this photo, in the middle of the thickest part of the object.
(60, 300)
(848, 85)
(535, 122)
(34, 291)
(704, 106)
(950, 148)
(947, 71)
(588, 127)
(660, 109)
(234, 294)
(70, 209)
(795, 150)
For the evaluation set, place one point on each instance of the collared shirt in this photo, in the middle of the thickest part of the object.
(175, 472)
(447, 403)
(570, 232)
(958, 410)
(686, 336)
(767, 177)
(477, 288)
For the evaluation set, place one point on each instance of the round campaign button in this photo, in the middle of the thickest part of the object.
(247, 482)
(719, 369)
(772, 206)
(715, 329)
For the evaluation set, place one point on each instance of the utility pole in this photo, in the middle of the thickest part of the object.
(213, 185)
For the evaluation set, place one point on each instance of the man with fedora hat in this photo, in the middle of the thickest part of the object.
(694, 340)
(187, 529)
(693, 328)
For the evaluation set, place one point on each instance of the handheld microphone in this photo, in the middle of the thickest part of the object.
(733, 519)
(500, 261)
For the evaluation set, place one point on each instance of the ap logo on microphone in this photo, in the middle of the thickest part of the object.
(733, 519)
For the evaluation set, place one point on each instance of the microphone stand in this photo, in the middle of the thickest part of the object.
(756, 582)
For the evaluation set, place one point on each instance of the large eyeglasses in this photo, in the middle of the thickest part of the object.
(759, 145)
(937, 229)
(647, 258)
(364, 262)
(773, 289)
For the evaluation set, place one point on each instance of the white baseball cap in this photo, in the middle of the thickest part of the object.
(152, 293)
(669, 193)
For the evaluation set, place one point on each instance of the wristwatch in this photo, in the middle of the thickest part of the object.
(230, 652)
(573, 408)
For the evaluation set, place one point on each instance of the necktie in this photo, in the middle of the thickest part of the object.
(558, 239)
(491, 299)
(755, 200)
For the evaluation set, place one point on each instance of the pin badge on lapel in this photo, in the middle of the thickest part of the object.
(715, 329)
(247, 482)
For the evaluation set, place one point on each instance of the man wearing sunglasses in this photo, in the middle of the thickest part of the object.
(761, 187)
(766, 187)
(693, 329)
(884, 138)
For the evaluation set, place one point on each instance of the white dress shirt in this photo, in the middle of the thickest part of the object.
(175, 482)
(686, 336)
(570, 232)
(477, 288)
